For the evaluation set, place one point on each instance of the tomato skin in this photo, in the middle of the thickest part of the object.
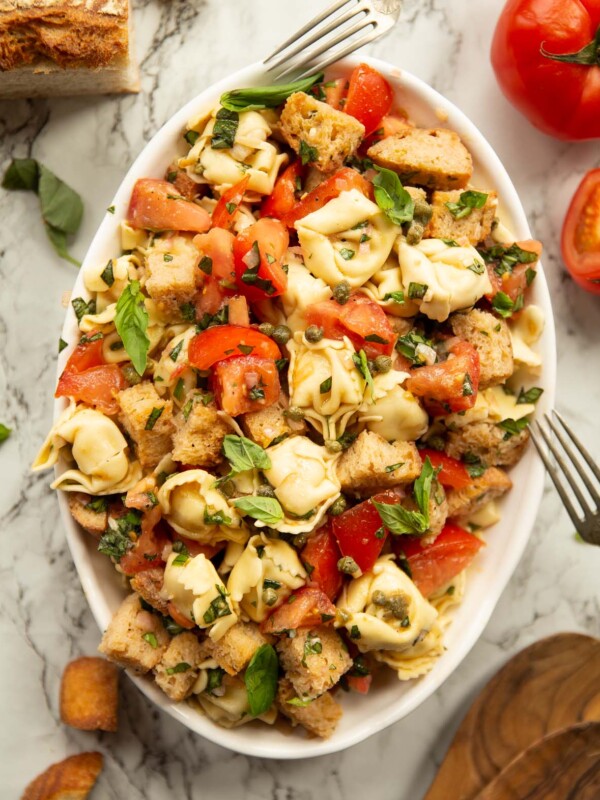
(322, 554)
(442, 385)
(273, 239)
(370, 97)
(355, 531)
(453, 473)
(152, 208)
(561, 99)
(283, 197)
(389, 126)
(231, 384)
(343, 180)
(221, 216)
(358, 318)
(306, 610)
(222, 342)
(87, 354)
(96, 386)
(217, 245)
(580, 241)
(150, 543)
(434, 565)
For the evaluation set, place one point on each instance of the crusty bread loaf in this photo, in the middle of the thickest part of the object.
(57, 47)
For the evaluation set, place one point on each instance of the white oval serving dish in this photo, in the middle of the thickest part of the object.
(391, 700)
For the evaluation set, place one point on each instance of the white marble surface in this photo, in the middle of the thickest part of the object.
(44, 619)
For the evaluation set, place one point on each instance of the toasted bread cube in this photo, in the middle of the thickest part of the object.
(490, 336)
(486, 441)
(234, 650)
(321, 135)
(362, 468)
(464, 502)
(471, 229)
(70, 779)
(314, 660)
(434, 157)
(438, 509)
(89, 694)
(268, 424)
(94, 522)
(199, 438)
(173, 275)
(320, 717)
(177, 670)
(148, 419)
(135, 638)
(148, 585)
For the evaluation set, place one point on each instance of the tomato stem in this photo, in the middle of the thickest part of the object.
(588, 56)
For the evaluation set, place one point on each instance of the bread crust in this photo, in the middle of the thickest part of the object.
(72, 778)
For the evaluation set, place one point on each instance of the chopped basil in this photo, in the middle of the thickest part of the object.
(380, 532)
(362, 365)
(250, 274)
(220, 318)
(61, 345)
(397, 297)
(325, 386)
(374, 337)
(269, 584)
(216, 518)
(450, 243)
(4, 432)
(265, 509)
(467, 387)
(473, 465)
(191, 137)
(391, 197)
(107, 274)
(215, 679)
(256, 393)
(179, 389)
(280, 363)
(296, 701)
(466, 203)
(231, 207)
(346, 439)
(171, 626)
(346, 254)
(502, 304)
(151, 639)
(167, 257)
(246, 349)
(477, 268)
(530, 396)
(399, 520)
(407, 346)
(81, 308)
(530, 275)
(506, 257)
(225, 129)
(355, 632)
(312, 646)
(513, 427)
(417, 291)
(153, 417)
(95, 337)
(307, 153)
(206, 265)
(131, 322)
(183, 666)
(219, 606)
(98, 506)
(111, 209)
(255, 99)
(180, 559)
(364, 238)
(119, 539)
(188, 312)
(261, 679)
(359, 164)
(174, 354)
(394, 467)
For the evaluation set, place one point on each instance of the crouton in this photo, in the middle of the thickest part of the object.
(472, 229)
(134, 638)
(93, 519)
(199, 438)
(70, 779)
(314, 660)
(486, 441)
(89, 695)
(234, 650)
(321, 135)
(435, 157)
(148, 584)
(464, 502)
(490, 336)
(148, 419)
(416, 193)
(319, 717)
(177, 671)
(438, 509)
(401, 325)
(182, 183)
(172, 270)
(268, 424)
(366, 464)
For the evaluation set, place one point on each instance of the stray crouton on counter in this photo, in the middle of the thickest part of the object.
(89, 694)
(70, 779)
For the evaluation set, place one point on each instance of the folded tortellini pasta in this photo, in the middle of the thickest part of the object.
(348, 239)
(195, 508)
(303, 290)
(387, 289)
(229, 708)
(108, 280)
(395, 413)
(264, 576)
(525, 331)
(173, 366)
(384, 610)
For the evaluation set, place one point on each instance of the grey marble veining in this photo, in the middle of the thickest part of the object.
(44, 619)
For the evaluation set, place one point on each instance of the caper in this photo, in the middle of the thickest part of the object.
(295, 413)
(266, 328)
(382, 364)
(299, 540)
(269, 597)
(379, 598)
(281, 334)
(333, 446)
(313, 334)
(338, 507)
(227, 488)
(347, 565)
(341, 292)
(266, 490)
(131, 375)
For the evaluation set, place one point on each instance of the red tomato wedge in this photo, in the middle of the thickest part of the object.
(156, 206)
(360, 533)
(216, 264)
(258, 253)
(322, 553)
(361, 319)
(369, 98)
(452, 474)
(146, 553)
(229, 341)
(450, 386)
(335, 92)
(87, 354)
(226, 209)
(245, 384)
(96, 386)
(580, 241)
(306, 608)
(434, 565)
(283, 197)
(343, 180)
(514, 282)
(389, 126)
(359, 683)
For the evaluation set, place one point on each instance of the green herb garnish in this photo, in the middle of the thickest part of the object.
(255, 99)
(131, 322)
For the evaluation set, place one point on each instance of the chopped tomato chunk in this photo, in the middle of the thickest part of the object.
(306, 608)
(359, 683)
(320, 557)
(361, 319)
(283, 197)
(96, 386)
(87, 353)
(453, 472)
(229, 341)
(369, 98)
(343, 180)
(156, 206)
(147, 551)
(245, 384)
(227, 208)
(216, 269)
(360, 533)
(258, 252)
(389, 126)
(451, 385)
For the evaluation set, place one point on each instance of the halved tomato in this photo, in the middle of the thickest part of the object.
(96, 386)
(306, 608)
(580, 240)
(229, 341)
(258, 253)
(343, 180)
(452, 474)
(451, 385)
(217, 268)
(320, 557)
(360, 532)
(361, 319)
(283, 197)
(434, 565)
(156, 206)
(226, 209)
(245, 384)
(369, 98)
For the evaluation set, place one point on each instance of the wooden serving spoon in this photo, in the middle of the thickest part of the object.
(562, 766)
(552, 684)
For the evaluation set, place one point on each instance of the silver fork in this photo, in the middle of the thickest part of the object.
(587, 526)
(353, 24)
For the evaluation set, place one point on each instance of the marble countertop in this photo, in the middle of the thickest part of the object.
(44, 619)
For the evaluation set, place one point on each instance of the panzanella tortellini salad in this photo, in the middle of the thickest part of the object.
(295, 398)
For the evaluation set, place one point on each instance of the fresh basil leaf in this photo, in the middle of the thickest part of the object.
(131, 322)
(391, 197)
(399, 520)
(422, 488)
(265, 509)
(58, 240)
(4, 432)
(261, 679)
(225, 129)
(254, 99)
(530, 396)
(243, 454)
(22, 173)
(506, 257)
(466, 203)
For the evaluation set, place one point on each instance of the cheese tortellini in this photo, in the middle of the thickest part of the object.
(387, 289)
(525, 332)
(195, 508)
(302, 291)
(349, 239)
(385, 608)
(173, 365)
(395, 413)
(229, 708)
(109, 279)
(264, 576)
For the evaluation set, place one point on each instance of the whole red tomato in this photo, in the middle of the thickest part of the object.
(546, 56)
